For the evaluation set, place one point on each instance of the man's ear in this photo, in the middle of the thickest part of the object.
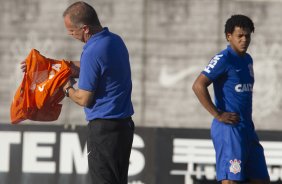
(86, 29)
(228, 35)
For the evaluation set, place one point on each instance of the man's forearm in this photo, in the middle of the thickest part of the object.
(200, 88)
(81, 97)
(205, 99)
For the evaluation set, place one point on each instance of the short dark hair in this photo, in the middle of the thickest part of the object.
(82, 13)
(241, 21)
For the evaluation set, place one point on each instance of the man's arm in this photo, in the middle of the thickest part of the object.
(200, 88)
(81, 97)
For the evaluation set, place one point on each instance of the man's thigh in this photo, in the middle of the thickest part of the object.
(109, 145)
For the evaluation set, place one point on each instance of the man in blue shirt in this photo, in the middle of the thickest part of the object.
(104, 90)
(239, 155)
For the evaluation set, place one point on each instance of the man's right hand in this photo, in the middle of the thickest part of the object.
(228, 117)
(23, 66)
(75, 68)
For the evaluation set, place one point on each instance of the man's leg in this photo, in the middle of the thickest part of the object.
(231, 148)
(256, 168)
(109, 145)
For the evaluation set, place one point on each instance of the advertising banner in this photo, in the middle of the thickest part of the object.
(48, 154)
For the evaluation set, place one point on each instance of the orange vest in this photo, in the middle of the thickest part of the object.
(40, 92)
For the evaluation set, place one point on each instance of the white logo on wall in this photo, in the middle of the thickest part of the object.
(169, 78)
(267, 89)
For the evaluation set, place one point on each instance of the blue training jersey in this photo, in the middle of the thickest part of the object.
(233, 79)
(105, 70)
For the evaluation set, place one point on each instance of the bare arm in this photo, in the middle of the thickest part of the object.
(81, 97)
(200, 88)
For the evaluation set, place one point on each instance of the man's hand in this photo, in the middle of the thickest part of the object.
(23, 66)
(75, 68)
(228, 117)
(81, 97)
(70, 82)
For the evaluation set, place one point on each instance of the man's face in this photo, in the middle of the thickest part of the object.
(74, 31)
(239, 40)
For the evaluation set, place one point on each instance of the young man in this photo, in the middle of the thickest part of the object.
(239, 155)
(104, 90)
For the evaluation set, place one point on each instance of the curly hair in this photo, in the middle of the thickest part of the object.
(241, 21)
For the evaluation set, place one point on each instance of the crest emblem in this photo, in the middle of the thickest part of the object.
(235, 166)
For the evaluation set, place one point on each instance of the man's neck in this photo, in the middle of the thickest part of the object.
(93, 30)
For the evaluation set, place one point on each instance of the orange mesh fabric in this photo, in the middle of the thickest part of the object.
(40, 92)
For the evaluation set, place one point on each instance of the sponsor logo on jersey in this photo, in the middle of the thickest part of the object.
(55, 68)
(212, 63)
(41, 88)
(244, 88)
(235, 166)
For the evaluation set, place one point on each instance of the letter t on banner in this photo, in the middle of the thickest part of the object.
(6, 139)
(32, 151)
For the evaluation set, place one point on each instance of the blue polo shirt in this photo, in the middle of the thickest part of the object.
(233, 79)
(105, 70)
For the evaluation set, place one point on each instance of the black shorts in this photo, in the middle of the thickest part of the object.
(109, 144)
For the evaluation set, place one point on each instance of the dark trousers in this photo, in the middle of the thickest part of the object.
(109, 145)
